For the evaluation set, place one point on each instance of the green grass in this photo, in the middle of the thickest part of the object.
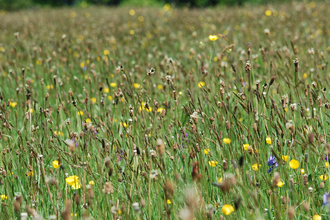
(155, 143)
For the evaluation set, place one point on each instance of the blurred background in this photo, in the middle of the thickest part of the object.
(21, 4)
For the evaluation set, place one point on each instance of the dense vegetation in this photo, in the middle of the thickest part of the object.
(134, 113)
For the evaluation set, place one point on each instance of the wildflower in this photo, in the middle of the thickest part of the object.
(30, 173)
(88, 121)
(213, 37)
(206, 151)
(327, 164)
(3, 197)
(80, 113)
(119, 212)
(160, 110)
(302, 170)
(168, 201)
(201, 84)
(219, 179)
(105, 90)
(110, 97)
(13, 104)
(324, 177)
(246, 146)
(73, 181)
(226, 140)
(136, 85)
(280, 184)
(106, 52)
(294, 164)
(268, 140)
(272, 163)
(56, 164)
(317, 217)
(255, 167)
(213, 163)
(227, 209)
(326, 198)
(268, 12)
(92, 183)
(160, 87)
(285, 158)
(113, 84)
(93, 100)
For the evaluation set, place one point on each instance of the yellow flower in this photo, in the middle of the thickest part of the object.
(80, 113)
(160, 87)
(73, 181)
(56, 164)
(3, 197)
(30, 173)
(88, 121)
(110, 97)
(324, 177)
(227, 209)
(206, 151)
(13, 104)
(268, 12)
(160, 110)
(119, 212)
(124, 124)
(246, 146)
(93, 100)
(213, 163)
(136, 85)
(268, 140)
(294, 164)
(317, 217)
(113, 84)
(92, 183)
(327, 164)
(180, 93)
(219, 179)
(302, 170)
(280, 184)
(31, 110)
(226, 140)
(255, 167)
(285, 158)
(75, 214)
(105, 90)
(201, 84)
(213, 37)
(106, 52)
(168, 201)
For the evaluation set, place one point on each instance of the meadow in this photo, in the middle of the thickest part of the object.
(165, 113)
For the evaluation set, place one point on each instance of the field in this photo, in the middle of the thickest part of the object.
(165, 113)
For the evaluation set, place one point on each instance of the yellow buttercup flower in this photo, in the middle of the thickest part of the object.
(92, 183)
(56, 164)
(113, 84)
(285, 158)
(136, 85)
(110, 97)
(88, 121)
(246, 146)
(73, 181)
(227, 209)
(256, 167)
(294, 164)
(160, 87)
(213, 37)
(106, 90)
(213, 163)
(327, 164)
(168, 201)
(106, 52)
(206, 151)
(280, 184)
(324, 177)
(268, 12)
(31, 173)
(93, 100)
(119, 212)
(3, 197)
(201, 84)
(268, 140)
(124, 124)
(80, 113)
(302, 170)
(13, 104)
(160, 110)
(226, 140)
(219, 179)
(317, 217)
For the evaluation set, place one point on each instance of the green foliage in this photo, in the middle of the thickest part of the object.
(14, 4)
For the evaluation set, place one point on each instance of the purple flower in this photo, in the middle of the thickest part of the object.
(326, 198)
(272, 163)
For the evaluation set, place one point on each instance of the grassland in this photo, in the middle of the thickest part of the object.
(163, 113)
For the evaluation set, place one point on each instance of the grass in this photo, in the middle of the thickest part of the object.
(120, 113)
